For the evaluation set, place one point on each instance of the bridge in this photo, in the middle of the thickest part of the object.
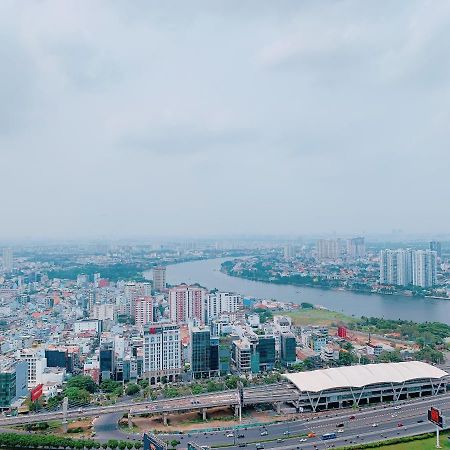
(274, 393)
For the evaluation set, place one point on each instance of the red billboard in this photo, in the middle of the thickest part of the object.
(36, 392)
(435, 416)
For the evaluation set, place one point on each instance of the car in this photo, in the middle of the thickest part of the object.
(242, 444)
(397, 407)
(340, 425)
(264, 433)
(259, 446)
(352, 417)
(279, 440)
(240, 436)
(394, 415)
(420, 421)
(303, 440)
(374, 425)
(340, 430)
(230, 435)
(286, 432)
(399, 425)
(311, 435)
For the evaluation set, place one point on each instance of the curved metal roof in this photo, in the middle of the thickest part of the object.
(363, 375)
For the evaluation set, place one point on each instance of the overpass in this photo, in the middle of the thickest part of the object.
(274, 393)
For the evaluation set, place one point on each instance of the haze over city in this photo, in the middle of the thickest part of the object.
(127, 119)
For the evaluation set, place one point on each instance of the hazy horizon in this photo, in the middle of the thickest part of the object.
(136, 119)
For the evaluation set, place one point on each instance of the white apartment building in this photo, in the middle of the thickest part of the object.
(36, 364)
(103, 311)
(159, 278)
(162, 353)
(143, 310)
(425, 268)
(187, 303)
(221, 302)
(403, 267)
(329, 249)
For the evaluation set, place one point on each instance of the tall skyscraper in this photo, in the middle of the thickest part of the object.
(200, 351)
(220, 302)
(329, 249)
(8, 260)
(143, 310)
(396, 267)
(424, 268)
(159, 279)
(289, 251)
(403, 267)
(162, 353)
(435, 246)
(186, 303)
(356, 248)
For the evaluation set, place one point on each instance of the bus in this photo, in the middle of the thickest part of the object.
(327, 436)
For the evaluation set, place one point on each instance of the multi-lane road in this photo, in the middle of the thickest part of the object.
(366, 425)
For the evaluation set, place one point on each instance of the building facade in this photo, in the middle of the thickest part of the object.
(187, 303)
(162, 353)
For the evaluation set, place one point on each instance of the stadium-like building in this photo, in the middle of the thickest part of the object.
(354, 385)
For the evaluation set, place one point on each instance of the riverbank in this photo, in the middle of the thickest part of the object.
(207, 273)
(366, 291)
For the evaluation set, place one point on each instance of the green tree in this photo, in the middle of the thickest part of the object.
(132, 389)
(77, 396)
(110, 386)
(113, 443)
(82, 382)
(174, 443)
(122, 445)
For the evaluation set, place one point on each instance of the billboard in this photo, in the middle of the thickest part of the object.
(36, 392)
(151, 442)
(435, 416)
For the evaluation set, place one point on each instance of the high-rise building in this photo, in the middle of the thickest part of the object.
(143, 310)
(221, 302)
(329, 249)
(289, 251)
(36, 364)
(396, 267)
(424, 268)
(267, 354)
(107, 361)
(8, 260)
(200, 351)
(13, 382)
(159, 279)
(288, 348)
(356, 248)
(435, 246)
(103, 311)
(162, 353)
(187, 303)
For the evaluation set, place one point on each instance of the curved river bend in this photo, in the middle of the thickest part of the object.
(207, 273)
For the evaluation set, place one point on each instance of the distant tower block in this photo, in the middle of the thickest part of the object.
(159, 278)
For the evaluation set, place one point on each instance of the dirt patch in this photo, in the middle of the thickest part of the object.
(216, 418)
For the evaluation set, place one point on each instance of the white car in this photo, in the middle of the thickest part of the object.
(303, 440)
(341, 430)
(374, 425)
(230, 435)
(264, 433)
(397, 407)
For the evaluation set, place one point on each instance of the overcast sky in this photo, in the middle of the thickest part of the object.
(128, 118)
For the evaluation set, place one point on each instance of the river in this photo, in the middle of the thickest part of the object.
(207, 273)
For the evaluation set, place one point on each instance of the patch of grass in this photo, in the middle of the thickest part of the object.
(313, 316)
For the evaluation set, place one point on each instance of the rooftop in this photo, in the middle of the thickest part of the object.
(363, 375)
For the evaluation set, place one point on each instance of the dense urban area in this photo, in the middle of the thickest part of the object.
(97, 325)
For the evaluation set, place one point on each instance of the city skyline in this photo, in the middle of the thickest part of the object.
(139, 119)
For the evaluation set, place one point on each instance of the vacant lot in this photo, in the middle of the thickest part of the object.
(314, 316)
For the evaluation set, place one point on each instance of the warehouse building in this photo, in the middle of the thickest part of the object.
(364, 384)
